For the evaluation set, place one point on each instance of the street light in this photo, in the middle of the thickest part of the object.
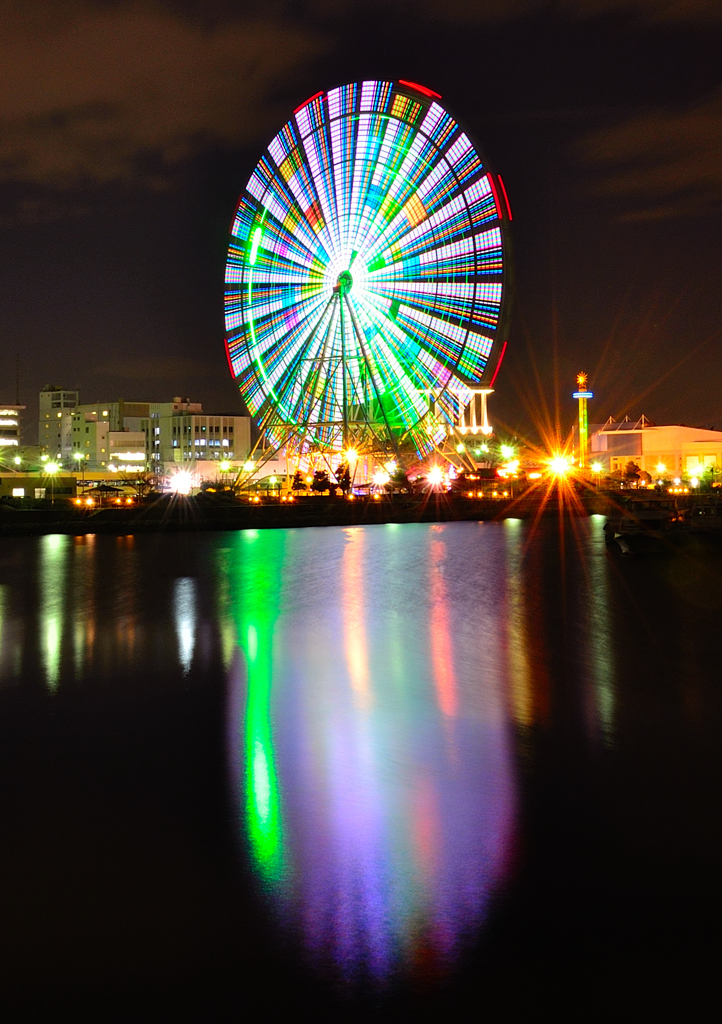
(78, 456)
(51, 468)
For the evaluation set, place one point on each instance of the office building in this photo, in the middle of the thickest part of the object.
(180, 432)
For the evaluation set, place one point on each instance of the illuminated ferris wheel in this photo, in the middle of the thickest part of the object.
(367, 279)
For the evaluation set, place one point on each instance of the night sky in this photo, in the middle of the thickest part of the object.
(128, 129)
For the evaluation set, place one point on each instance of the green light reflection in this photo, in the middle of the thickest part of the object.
(600, 630)
(53, 552)
(255, 585)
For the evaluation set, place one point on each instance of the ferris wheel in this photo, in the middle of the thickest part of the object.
(367, 279)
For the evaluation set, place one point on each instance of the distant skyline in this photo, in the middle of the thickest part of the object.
(128, 129)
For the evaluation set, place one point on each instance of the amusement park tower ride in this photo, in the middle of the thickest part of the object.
(582, 395)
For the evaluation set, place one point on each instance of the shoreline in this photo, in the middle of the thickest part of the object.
(191, 515)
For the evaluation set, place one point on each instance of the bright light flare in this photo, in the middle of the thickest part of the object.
(560, 465)
(381, 478)
(351, 456)
(435, 476)
(596, 467)
(181, 483)
(52, 467)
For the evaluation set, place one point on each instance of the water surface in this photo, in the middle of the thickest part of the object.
(393, 767)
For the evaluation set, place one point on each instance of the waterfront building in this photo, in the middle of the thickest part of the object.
(666, 451)
(180, 432)
(10, 427)
(55, 420)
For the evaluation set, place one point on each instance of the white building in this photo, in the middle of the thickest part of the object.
(10, 426)
(662, 451)
(111, 433)
(180, 432)
(55, 426)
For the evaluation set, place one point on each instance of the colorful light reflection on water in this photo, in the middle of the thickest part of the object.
(369, 736)
(385, 685)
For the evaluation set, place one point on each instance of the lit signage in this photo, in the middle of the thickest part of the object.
(130, 456)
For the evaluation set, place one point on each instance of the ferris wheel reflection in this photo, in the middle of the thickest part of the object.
(374, 784)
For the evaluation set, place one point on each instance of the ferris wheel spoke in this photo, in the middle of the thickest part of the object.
(298, 376)
(370, 370)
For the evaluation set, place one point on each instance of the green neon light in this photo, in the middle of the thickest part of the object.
(255, 242)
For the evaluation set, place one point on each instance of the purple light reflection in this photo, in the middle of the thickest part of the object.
(391, 744)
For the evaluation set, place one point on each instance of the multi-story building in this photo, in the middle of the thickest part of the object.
(179, 431)
(101, 441)
(10, 426)
(55, 423)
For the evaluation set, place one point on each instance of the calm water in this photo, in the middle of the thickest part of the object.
(376, 770)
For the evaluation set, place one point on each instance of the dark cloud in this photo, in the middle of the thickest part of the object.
(497, 10)
(670, 160)
(152, 370)
(123, 91)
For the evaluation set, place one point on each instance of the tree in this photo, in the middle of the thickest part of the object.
(399, 481)
(631, 473)
(321, 482)
(343, 476)
(143, 484)
(298, 483)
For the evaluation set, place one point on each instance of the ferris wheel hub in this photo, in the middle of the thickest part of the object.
(344, 283)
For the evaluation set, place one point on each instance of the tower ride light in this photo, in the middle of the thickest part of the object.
(582, 395)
